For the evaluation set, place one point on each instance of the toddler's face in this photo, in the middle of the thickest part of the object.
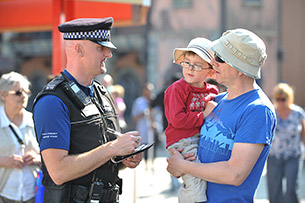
(196, 78)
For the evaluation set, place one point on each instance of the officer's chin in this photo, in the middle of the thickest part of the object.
(103, 69)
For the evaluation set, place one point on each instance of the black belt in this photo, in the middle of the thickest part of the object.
(81, 194)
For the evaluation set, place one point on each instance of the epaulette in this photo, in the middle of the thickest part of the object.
(100, 87)
(54, 83)
(48, 88)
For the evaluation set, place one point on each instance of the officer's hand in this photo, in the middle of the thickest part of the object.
(133, 161)
(126, 143)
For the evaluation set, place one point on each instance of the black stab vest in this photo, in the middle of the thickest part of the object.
(87, 132)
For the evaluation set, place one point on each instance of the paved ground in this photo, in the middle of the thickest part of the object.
(151, 186)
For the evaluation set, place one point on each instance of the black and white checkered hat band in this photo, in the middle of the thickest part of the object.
(95, 34)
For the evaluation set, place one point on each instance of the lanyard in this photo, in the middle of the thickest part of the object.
(18, 138)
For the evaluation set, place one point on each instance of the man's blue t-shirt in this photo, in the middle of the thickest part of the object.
(249, 118)
(52, 121)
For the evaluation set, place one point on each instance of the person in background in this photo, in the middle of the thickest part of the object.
(117, 91)
(236, 136)
(285, 154)
(19, 150)
(76, 122)
(158, 101)
(187, 102)
(106, 80)
(142, 116)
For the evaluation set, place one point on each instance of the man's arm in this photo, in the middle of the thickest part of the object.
(63, 167)
(232, 172)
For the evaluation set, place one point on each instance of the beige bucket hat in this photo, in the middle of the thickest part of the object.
(243, 50)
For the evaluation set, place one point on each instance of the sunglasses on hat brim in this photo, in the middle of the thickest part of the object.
(218, 58)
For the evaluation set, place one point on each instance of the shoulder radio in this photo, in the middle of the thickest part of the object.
(75, 93)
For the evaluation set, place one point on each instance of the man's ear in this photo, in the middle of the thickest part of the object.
(79, 50)
(240, 73)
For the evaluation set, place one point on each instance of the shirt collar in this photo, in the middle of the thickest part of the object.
(27, 119)
(89, 91)
(5, 121)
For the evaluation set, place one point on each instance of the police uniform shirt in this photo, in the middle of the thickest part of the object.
(55, 134)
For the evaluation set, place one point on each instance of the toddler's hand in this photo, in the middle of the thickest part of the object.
(209, 108)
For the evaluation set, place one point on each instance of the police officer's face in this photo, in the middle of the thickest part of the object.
(96, 57)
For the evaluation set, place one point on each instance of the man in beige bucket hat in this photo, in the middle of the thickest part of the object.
(236, 136)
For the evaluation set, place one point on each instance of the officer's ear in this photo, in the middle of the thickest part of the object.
(79, 50)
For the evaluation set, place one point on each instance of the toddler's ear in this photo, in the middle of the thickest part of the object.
(211, 73)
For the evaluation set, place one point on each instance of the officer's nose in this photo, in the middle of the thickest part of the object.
(108, 52)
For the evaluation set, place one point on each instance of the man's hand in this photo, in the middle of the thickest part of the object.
(174, 163)
(133, 161)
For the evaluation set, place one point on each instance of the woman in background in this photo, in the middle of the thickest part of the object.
(19, 151)
(285, 154)
(117, 91)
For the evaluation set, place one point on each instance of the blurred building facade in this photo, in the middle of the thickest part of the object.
(292, 41)
(279, 23)
(145, 51)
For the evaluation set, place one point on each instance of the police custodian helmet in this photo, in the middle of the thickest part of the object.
(96, 30)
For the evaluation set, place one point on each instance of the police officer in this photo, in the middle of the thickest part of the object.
(76, 121)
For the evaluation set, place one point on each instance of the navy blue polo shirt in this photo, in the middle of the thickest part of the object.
(52, 121)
